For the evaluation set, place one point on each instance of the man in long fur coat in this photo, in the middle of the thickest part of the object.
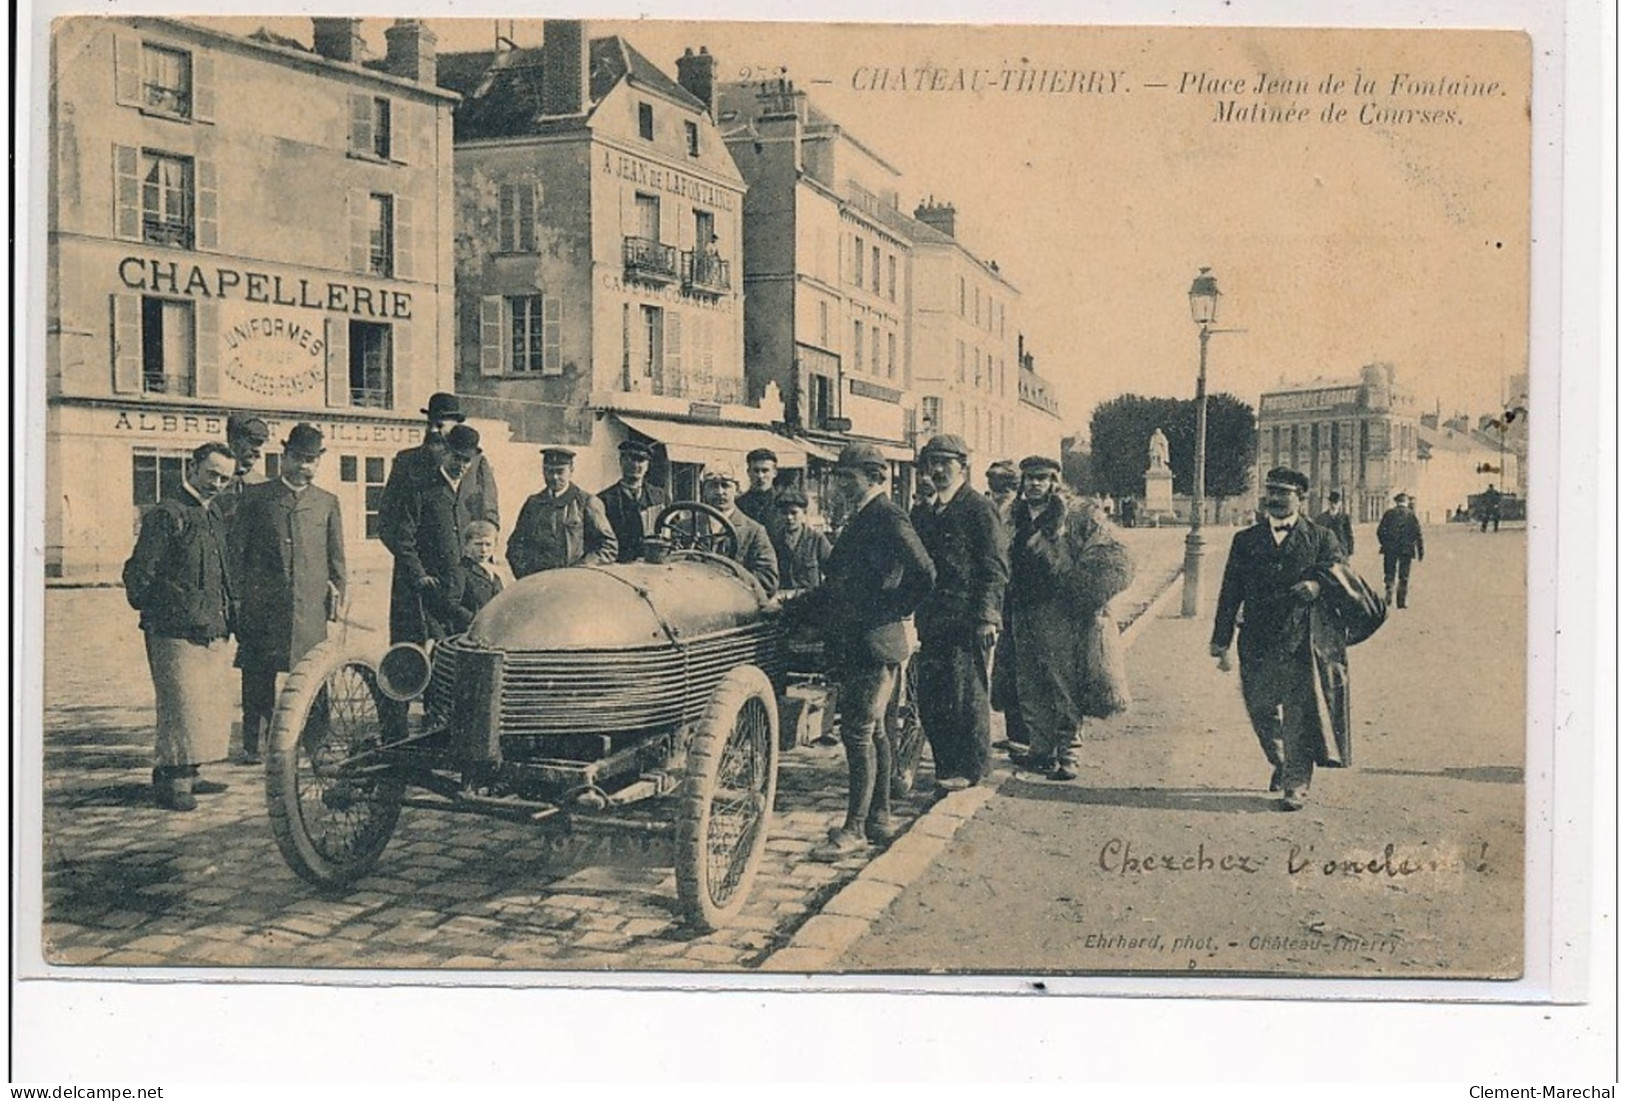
(1066, 565)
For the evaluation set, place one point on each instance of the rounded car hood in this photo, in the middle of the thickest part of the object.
(626, 606)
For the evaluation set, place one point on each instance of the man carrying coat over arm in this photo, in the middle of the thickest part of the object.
(1294, 668)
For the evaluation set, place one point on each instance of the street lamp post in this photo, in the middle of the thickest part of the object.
(1204, 296)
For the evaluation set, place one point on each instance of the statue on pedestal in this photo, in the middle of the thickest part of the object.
(1159, 480)
(1157, 451)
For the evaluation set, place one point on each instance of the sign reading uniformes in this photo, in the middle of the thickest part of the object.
(272, 356)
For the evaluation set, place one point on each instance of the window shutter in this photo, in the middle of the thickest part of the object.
(552, 335)
(206, 360)
(403, 237)
(360, 124)
(400, 361)
(126, 343)
(338, 362)
(360, 231)
(208, 206)
(674, 343)
(127, 192)
(399, 131)
(127, 70)
(527, 220)
(493, 345)
(203, 86)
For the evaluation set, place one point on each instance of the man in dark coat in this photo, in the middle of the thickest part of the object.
(1336, 520)
(1066, 565)
(755, 552)
(959, 620)
(476, 489)
(1294, 671)
(803, 552)
(563, 525)
(760, 501)
(878, 573)
(179, 579)
(1399, 535)
(287, 554)
(632, 504)
(419, 521)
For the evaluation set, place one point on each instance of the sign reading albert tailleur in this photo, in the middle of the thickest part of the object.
(272, 358)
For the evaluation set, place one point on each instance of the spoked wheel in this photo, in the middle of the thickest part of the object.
(726, 805)
(907, 731)
(330, 819)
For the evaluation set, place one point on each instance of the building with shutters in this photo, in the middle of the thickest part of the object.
(598, 240)
(1038, 411)
(1360, 436)
(237, 224)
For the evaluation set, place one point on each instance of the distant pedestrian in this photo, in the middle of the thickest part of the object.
(471, 584)
(563, 525)
(878, 573)
(718, 488)
(1066, 565)
(287, 556)
(959, 621)
(1294, 669)
(1335, 519)
(1399, 535)
(1489, 509)
(632, 504)
(1127, 511)
(419, 521)
(178, 578)
(803, 551)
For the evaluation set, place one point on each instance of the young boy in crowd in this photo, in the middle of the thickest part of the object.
(472, 582)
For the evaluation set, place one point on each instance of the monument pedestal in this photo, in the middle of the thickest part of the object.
(1159, 492)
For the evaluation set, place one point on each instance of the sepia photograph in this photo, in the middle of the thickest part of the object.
(574, 500)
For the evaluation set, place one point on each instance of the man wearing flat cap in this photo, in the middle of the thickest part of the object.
(803, 552)
(1399, 536)
(1294, 667)
(246, 438)
(421, 524)
(287, 554)
(959, 620)
(719, 488)
(632, 503)
(1003, 480)
(878, 573)
(477, 489)
(760, 501)
(563, 525)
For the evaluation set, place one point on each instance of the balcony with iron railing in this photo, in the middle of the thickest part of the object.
(649, 260)
(705, 273)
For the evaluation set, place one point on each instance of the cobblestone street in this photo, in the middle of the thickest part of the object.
(129, 885)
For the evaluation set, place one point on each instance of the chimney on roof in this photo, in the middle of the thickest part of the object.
(338, 39)
(697, 73)
(409, 50)
(939, 216)
(564, 67)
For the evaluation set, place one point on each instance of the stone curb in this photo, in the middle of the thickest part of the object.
(821, 941)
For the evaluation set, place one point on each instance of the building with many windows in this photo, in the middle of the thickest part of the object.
(964, 340)
(1038, 410)
(209, 253)
(1358, 436)
(598, 238)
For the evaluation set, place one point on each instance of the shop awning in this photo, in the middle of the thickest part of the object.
(688, 442)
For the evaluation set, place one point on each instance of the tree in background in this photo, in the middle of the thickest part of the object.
(1120, 430)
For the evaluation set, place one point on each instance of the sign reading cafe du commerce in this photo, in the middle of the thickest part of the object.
(273, 328)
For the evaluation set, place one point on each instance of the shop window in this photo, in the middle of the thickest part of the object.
(691, 135)
(381, 235)
(371, 384)
(646, 121)
(374, 494)
(516, 216)
(348, 468)
(166, 79)
(156, 476)
(168, 347)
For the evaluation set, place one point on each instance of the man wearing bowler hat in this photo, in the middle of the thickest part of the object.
(1294, 670)
(632, 503)
(959, 620)
(477, 489)
(421, 524)
(563, 525)
(287, 554)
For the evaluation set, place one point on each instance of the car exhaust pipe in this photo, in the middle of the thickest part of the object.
(403, 673)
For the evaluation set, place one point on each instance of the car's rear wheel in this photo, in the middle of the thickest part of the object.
(330, 818)
(725, 808)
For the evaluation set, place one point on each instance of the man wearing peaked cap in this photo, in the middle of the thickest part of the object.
(1399, 536)
(246, 437)
(959, 621)
(632, 504)
(286, 546)
(803, 551)
(1294, 669)
(563, 525)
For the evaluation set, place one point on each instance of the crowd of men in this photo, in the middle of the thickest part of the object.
(1008, 593)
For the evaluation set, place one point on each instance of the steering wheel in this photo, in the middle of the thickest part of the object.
(696, 526)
